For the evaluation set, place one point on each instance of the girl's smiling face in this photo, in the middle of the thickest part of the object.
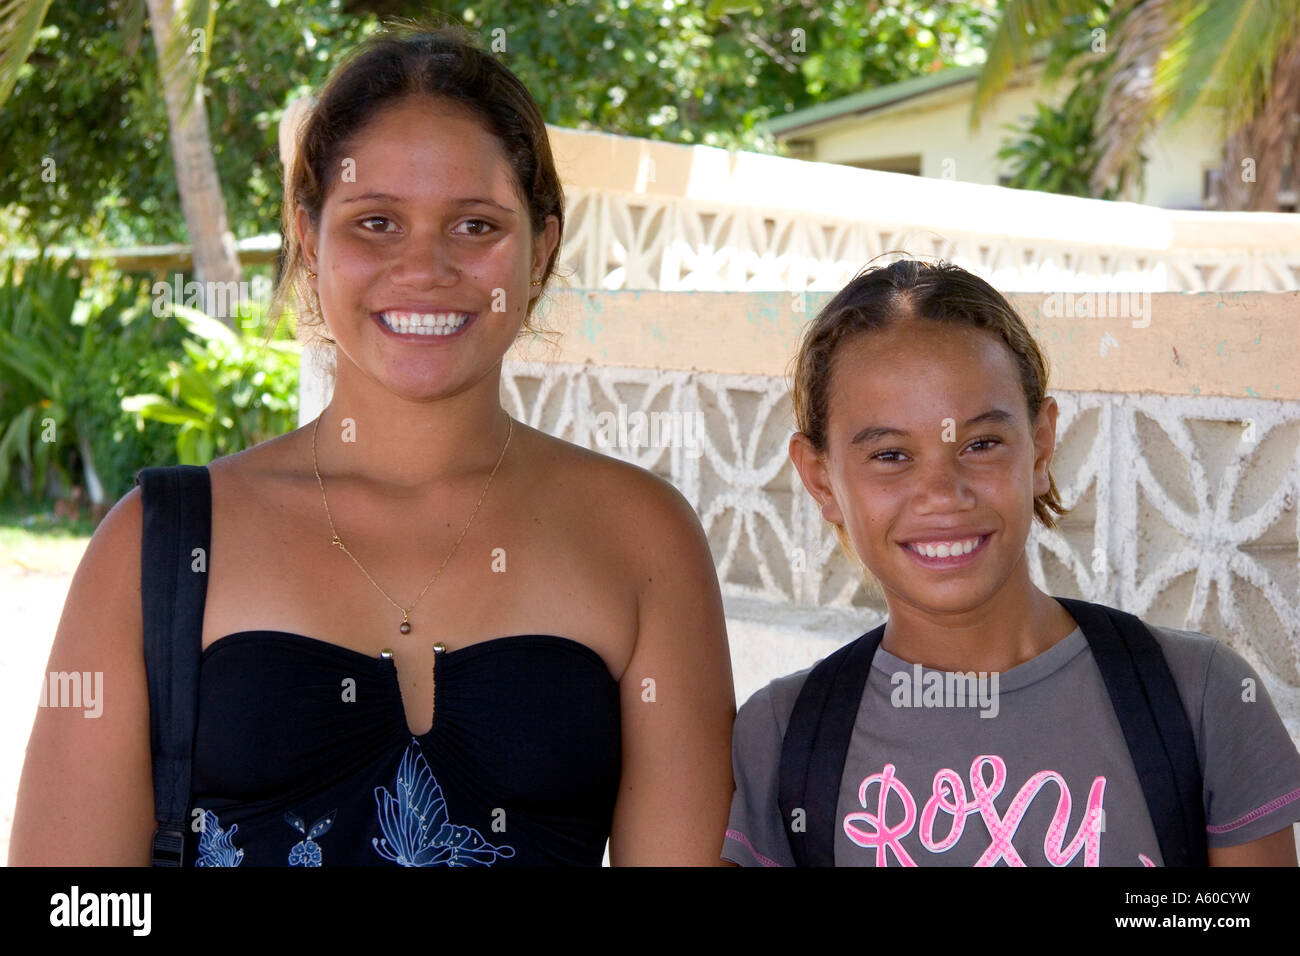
(424, 252)
(932, 462)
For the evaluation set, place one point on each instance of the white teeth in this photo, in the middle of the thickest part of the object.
(946, 549)
(425, 323)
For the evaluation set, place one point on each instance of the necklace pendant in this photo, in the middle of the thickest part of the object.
(404, 627)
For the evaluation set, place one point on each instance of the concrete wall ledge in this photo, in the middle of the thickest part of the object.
(1229, 344)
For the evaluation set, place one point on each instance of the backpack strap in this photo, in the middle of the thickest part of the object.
(816, 746)
(173, 585)
(1150, 711)
(1142, 692)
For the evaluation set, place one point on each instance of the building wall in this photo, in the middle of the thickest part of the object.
(937, 127)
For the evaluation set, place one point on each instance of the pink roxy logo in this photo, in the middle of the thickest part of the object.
(949, 796)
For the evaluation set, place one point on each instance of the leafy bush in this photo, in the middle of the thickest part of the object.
(1054, 152)
(34, 373)
(68, 344)
(1057, 149)
(132, 359)
(72, 347)
(228, 392)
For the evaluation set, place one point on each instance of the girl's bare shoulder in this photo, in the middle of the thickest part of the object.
(267, 464)
(607, 488)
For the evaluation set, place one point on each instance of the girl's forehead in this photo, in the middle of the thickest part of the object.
(421, 146)
(426, 106)
(920, 368)
(926, 344)
(415, 122)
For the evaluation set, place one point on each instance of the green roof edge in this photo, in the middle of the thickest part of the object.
(874, 98)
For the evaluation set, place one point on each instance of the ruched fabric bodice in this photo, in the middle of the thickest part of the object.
(303, 756)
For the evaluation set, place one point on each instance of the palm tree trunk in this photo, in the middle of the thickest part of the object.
(215, 258)
(1124, 119)
(1263, 144)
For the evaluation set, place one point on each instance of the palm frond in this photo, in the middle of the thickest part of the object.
(20, 25)
(1223, 55)
(1025, 31)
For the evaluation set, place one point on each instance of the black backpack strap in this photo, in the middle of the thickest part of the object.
(1137, 678)
(816, 746)
(173, 585)
(1159, 737)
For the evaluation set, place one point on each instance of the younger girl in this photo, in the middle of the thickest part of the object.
(926, 436)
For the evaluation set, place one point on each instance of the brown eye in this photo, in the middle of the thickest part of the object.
(367, 219)
(888, 455)
(481, 227)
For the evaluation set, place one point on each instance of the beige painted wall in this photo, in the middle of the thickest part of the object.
(1235, 345)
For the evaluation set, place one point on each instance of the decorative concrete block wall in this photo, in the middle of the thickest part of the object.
(1178, 456)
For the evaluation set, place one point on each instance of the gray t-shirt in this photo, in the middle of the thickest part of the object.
(1044, 779)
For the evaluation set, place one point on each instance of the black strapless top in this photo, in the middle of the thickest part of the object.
(303, 757)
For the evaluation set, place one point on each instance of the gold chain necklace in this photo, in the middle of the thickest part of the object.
(405, 626)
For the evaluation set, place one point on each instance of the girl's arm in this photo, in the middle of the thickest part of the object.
(86, 793)
(678, 702)
(1276, 849)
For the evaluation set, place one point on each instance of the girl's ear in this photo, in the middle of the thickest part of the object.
(1044, 444)
(307, 242)
(812, 469)
(543, 245)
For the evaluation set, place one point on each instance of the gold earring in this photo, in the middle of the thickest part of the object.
(311, 274)
(536, 282)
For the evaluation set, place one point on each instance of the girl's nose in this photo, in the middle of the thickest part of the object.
(941, 486)
(424, 260)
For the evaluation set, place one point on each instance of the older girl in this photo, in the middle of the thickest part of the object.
(432, 635)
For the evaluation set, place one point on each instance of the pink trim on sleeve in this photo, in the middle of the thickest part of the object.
(1254, 815)
(744, 841)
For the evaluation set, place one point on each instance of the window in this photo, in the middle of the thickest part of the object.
(890, 164)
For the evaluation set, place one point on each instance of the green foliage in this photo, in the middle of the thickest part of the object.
(1056, 150)
(228, 392)
(69, 345)
(687, 72)
(82, 359)
(87, 147)
(130, 359)
(33, 377)
(1033, 28)
(20, 25)
(87, 141)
